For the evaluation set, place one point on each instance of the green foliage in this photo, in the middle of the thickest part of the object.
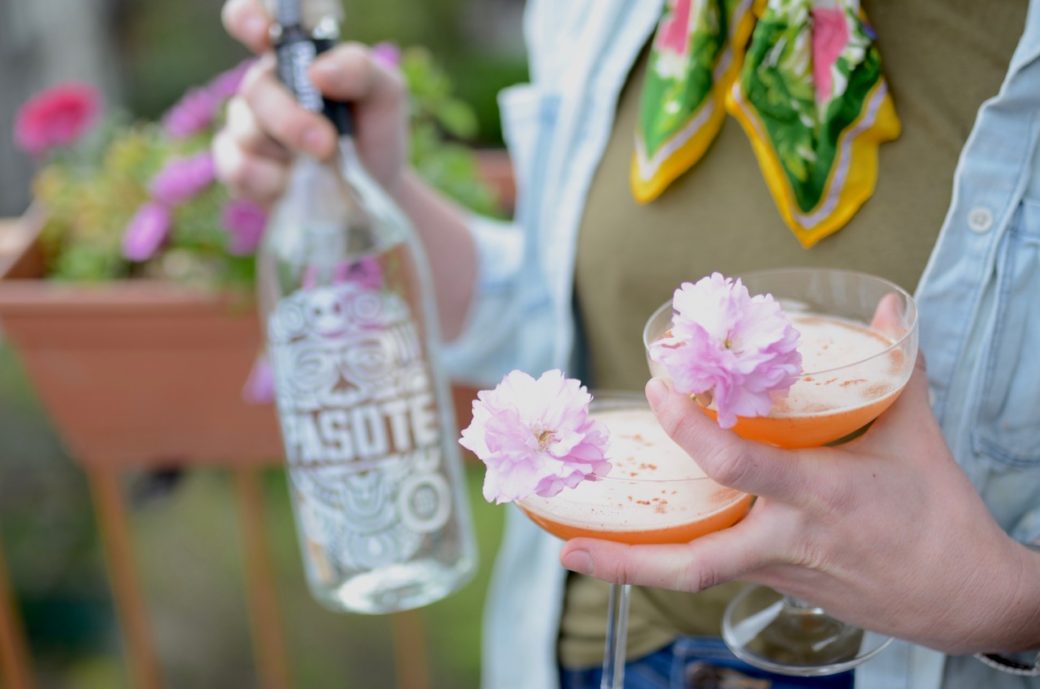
(157, 68)
(436, 114)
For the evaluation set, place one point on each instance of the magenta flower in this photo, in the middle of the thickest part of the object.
(191, 114)
(226, 84)
(197, 108)
(259, 388)
(387, 54)
(146, 231)
(183, 178)
(740, 350)
(56, 117)
(244, 221)
(535, 436)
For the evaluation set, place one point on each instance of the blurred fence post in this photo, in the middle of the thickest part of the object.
(14, 664)
(266, 627)
(133, 618)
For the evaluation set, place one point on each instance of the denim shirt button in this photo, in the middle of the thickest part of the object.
(980, 219)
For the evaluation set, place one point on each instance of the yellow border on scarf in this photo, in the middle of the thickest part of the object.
(862, 167)
(682, 159)
(687, 155)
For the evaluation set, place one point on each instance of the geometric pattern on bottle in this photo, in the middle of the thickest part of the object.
(360, 424)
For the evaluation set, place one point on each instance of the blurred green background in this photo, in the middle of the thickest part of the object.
(477, 41)
(144, 54)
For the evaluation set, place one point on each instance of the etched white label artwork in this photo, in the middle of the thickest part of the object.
(360, 425)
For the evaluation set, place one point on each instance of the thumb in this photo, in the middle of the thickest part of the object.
(702, 563)
(723, 455)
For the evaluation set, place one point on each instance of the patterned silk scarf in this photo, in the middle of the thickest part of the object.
(803, 78)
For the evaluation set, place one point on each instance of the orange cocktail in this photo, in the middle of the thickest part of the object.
(837, 398)
(854, 373)
(655, 493)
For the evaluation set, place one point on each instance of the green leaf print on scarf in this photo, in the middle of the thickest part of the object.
(777, 83)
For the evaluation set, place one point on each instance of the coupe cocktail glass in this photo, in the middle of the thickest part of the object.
(858, 345)
(654, 493)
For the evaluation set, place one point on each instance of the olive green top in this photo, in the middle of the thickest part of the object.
(942, 59)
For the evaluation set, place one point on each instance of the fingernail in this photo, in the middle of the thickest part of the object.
(656, 391)
(256, 27)
(321, 69)
(578, 561)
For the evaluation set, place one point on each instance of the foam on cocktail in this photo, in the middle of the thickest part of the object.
(830, 345)
(655, 493)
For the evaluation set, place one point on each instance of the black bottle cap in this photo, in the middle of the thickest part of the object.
(296, 50)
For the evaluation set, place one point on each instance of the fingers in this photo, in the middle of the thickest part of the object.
(247, 174)
(241, 125)
(713, 559)
(723, 455)
(248, 22)
(890, 316)
(350, 73)
(910, 416)
(276, 111)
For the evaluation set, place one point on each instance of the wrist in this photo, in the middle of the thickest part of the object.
(1015, 624)
(401, 185)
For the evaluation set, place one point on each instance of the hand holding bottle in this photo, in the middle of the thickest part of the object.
(266, 126)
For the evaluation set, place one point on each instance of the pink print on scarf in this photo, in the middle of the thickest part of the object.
(673, 35)
(830, 35)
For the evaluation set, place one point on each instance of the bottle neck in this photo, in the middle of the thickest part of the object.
(296, 49)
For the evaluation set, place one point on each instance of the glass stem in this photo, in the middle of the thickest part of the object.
(802, 606)
(617, 637)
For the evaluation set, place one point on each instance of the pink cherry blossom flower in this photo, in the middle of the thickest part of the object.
(183, 178)
(536, 436)
(244, 221)
(56, 117)
(742, 350)
(146, 231)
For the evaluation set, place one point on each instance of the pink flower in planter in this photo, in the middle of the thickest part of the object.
(739, 349)
(197, 108)
(183, 178)
(387, 54)
(56, 117)
(536, 436)
(191, 114)
(244, 222)
(259, 388)
(146, 232)
(226, 84)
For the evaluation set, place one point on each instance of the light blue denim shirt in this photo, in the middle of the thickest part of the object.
(979, 303)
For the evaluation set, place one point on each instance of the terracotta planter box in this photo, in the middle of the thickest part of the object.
(139, 372)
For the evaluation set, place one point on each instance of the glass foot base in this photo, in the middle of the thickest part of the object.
(779, 634)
